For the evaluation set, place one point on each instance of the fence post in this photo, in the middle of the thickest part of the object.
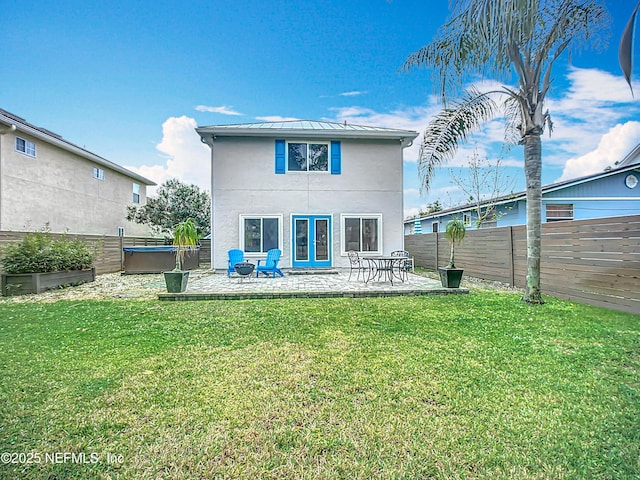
(512, 276)
(435, 263)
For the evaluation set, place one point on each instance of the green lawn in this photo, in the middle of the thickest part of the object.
(464, 386)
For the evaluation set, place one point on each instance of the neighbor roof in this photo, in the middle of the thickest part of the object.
(8, 118)
(513, 197)
(306, 128)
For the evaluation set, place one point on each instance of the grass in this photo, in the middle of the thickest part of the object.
(473, 386)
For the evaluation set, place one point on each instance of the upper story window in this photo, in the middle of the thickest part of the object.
(136, 193)
(319, 156)
(98, 173)
(308, 157)
(559, 212)
(25, 146)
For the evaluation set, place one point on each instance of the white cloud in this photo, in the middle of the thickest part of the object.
(187, 158)
(613, 146)
(223, 109)
(353, 93)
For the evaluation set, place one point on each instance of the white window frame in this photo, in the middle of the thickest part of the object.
(308, 142)
(29, 147)
(361, 216)
(98, 173)
(566, 206)
(261, 216)
(135, 197)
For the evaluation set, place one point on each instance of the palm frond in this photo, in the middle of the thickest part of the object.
(451, 127)
(625, 50)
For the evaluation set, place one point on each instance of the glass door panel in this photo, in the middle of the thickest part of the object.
(321, 243)
(302, 239)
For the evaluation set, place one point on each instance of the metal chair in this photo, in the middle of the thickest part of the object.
(355, 262)
(270, 264)
(403, 265)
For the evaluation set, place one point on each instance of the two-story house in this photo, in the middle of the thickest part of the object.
(46, 180)
(315, 190)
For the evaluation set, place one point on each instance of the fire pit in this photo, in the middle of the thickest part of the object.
(244, 269)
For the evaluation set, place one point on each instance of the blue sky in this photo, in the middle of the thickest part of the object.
(130, 80)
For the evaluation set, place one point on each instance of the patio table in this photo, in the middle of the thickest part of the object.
(384, 268)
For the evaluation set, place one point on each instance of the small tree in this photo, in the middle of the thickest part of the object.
(484, 184)
(185, 237)
(174, 202)
(455, 233)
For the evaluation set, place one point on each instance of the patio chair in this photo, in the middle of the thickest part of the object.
(235, 256)
(355, 262)
(270, 264)
(403, 266)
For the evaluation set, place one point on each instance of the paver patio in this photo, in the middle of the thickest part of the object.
(212, 286)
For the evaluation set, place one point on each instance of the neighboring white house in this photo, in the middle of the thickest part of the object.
(315, 190)
(611, 193)
(45, 179)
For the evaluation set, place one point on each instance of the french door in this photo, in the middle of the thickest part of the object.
(311, 241)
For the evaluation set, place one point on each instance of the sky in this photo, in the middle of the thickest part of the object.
(130, 81)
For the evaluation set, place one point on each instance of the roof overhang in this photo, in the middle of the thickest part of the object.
(307, 130)
(58, 141)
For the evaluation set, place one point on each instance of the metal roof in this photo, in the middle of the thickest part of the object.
(305, 128)
(8, 118)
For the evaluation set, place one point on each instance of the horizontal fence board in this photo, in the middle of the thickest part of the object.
(595, 261)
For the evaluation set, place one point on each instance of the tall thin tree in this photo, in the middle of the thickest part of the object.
(500, 40)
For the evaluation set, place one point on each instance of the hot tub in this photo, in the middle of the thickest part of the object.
(157, 259)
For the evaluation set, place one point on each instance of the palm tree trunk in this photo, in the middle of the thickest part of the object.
(533, 177)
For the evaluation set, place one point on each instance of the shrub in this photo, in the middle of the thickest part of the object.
(39, 252)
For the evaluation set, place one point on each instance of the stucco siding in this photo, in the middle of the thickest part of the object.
(56, 187)
(245, 183)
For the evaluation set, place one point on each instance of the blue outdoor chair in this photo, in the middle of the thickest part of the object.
(270, 264)
(235, 256)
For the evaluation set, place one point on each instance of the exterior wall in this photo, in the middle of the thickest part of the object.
(604, 197)
(598, 198)
(57, 188)
(245, 182)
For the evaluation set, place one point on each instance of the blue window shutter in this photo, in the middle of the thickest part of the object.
(280, 154)
(336, 158)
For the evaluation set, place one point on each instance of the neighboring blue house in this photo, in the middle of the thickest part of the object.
(611, 193)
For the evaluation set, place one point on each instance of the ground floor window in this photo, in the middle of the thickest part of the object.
(259, 234)
(559, 212)
(362, 233)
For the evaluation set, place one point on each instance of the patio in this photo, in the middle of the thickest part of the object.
(331, 283)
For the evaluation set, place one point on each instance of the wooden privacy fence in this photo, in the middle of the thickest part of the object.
(109, 257)
(593, 261)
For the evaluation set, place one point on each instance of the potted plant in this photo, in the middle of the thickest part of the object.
(450, 276)
(185, 238)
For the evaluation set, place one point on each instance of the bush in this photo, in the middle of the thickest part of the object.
(39, 252)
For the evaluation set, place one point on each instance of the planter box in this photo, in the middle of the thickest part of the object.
(23, 283)
(157, 259)
(450, 277)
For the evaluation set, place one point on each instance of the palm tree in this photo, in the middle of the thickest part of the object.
(501, 39)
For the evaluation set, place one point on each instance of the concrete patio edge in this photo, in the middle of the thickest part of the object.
(199, 296)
